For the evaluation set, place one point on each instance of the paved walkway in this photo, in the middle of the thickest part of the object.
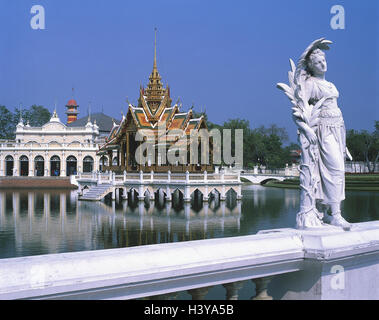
(36, 182)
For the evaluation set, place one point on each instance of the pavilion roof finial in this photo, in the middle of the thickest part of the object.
(155, 48)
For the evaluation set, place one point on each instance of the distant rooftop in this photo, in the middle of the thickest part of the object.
(104, 122)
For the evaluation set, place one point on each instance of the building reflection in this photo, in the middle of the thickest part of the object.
(52, 222)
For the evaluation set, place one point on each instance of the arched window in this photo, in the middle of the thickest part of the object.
(24, 166)
(9, 164)
(55, 166)
(39, 166)
(87, 164)
(71, 165)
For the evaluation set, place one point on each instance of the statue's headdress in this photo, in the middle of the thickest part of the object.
(319, 44)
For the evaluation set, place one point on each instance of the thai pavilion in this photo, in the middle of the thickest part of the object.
(156, 117)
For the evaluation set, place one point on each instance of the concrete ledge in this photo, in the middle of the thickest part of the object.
(174, 266)
(300, 260)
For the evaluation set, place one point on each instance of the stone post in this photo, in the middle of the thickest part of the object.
(152, 176)
(199, 293)
(232, 290)
(169, 176)
(261, 288)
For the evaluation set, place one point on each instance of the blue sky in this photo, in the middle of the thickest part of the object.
(224, 56)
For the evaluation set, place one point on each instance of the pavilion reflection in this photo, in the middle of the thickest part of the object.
(56, 222)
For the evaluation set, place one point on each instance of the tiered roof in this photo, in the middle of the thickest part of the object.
(154, 109)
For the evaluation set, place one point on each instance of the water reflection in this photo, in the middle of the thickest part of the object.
(33, 222)
(50, 222)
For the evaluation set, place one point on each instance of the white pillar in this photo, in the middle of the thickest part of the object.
(63, 166)
(205, 195)
(124, 193)
(187, 195)
(1, 167)
(223, 193)
(168, 194)
(46, 165)
(16, 166)
(286, 170)
(239, 192)
(31, 165)
(141, 195)
(152, 175)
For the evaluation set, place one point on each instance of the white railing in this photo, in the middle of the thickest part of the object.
(146, 271)
(156, 178)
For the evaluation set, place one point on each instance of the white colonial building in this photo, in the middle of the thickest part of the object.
(55, 149)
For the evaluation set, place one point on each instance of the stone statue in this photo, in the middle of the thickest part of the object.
(321, 134)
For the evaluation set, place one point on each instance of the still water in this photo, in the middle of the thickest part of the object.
(41, 222)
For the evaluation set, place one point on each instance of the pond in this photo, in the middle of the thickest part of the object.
(42, 222)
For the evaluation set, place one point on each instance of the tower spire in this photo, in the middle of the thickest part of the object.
(155, 49)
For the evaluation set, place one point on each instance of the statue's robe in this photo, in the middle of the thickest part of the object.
(331, 134)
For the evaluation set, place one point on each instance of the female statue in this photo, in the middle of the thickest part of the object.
(322, 138)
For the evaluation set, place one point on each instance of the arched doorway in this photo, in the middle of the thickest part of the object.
(71, 163)
(55, 166)
(24, 166)
(9, 164)
(87, 164)
(39, 166)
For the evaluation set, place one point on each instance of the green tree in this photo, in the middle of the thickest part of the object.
(364, 146)
(36, 115)
(7, 126)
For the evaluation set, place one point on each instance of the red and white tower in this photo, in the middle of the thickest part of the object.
(72, 110)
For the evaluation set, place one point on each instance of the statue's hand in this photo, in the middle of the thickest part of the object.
(311, 136)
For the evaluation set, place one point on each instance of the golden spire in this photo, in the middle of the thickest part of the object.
(155, 50)
(154, 90)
